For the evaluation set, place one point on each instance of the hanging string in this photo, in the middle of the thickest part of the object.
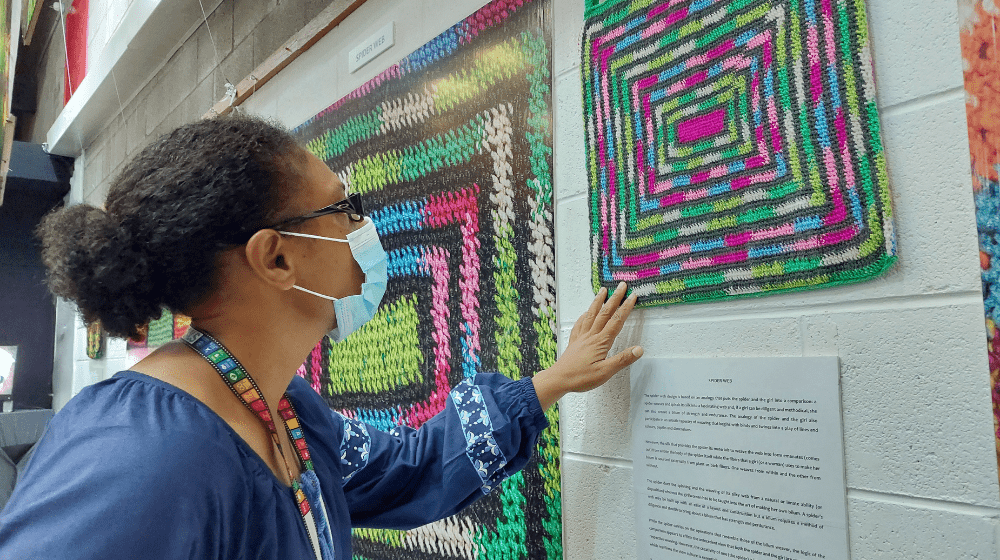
(58, 6)
(121, 106)
(230, 88)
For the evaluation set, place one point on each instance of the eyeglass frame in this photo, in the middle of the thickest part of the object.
(351, 206)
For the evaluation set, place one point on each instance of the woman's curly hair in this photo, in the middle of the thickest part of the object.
(202, 188)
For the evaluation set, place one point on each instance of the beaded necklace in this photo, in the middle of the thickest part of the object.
(245, 388)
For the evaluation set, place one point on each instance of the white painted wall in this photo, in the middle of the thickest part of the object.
(921, 467)
(103, 19)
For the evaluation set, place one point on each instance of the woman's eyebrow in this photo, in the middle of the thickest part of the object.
(339, 193)
(340, 183)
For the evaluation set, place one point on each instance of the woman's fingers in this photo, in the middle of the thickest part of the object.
(622, 360)
(614, 364)
(587, 319)
(617, 321)
(586, 362)
(609, 307)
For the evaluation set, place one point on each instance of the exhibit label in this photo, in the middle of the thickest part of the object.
(373, 46)
(738, 459)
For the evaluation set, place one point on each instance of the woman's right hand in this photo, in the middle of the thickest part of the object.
(585, 364)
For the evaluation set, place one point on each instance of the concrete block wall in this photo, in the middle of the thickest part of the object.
(921, 467)
(192, 77)
(49, 96)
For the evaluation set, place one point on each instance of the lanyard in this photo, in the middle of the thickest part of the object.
(245, 388)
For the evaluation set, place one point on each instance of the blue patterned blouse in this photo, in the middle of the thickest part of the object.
(135, 468)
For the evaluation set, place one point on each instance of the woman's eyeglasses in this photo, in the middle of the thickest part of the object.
(350, 206)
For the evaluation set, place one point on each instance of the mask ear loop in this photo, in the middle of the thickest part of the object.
(314, 293)
(329, 298)
(314, 237)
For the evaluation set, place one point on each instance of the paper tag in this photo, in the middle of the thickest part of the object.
(372, 47)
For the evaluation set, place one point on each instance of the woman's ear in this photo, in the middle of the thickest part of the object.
(269, 256)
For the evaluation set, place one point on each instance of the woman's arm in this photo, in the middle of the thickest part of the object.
(408, 477)
(486, 432)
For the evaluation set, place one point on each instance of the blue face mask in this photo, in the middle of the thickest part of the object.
(354, 311)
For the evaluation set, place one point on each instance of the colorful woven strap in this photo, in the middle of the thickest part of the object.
(245, 388)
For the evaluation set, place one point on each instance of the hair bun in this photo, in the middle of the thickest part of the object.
(99, 265)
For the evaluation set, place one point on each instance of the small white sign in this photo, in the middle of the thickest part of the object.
(372, 47)
(738, 458)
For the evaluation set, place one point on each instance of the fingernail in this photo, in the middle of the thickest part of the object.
(637, 351)
(621, 286)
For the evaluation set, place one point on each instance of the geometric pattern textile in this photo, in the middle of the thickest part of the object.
(733, 148)
(451, 151)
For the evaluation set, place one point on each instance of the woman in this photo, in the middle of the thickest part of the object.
(211, 447)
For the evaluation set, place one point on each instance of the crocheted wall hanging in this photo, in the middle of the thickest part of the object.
(981, 65)
(168, 326)
(733, 148)
(95, 341)
(451, 151)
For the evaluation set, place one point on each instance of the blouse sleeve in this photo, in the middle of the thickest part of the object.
(406, 477)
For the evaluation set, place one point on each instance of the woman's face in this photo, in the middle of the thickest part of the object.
(260, 275)
(325, 266)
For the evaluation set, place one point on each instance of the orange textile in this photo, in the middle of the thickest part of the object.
(982, 85)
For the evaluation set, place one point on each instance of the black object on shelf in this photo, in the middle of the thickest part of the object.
(19, 431)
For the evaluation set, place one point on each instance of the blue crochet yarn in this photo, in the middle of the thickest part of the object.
(988, 220)
(384, 420)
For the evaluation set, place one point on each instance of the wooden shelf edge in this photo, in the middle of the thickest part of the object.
(28, 27)
(326, 21)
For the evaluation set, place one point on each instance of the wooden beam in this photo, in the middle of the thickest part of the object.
(8, 144)
(315, 30)
(28, 27)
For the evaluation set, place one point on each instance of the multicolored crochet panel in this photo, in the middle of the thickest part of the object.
(451, 149)
(733, 147)
(981, 66)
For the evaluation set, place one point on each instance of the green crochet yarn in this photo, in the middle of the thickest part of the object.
(390, 537)
(452, 150)
(382, 355)
(507, 541)
(161, 330)
(508, 334)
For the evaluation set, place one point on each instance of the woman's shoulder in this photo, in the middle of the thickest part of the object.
(308, 404)
(129, 457)
(135, 400)
(151, 426)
